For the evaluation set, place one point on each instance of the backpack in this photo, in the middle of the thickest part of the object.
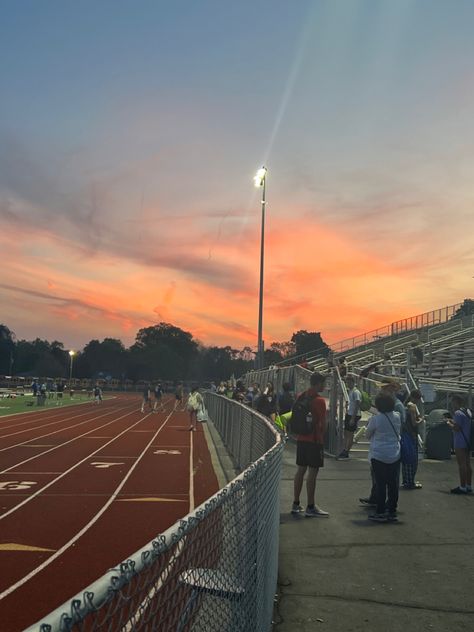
(301, 422)
(366, 401)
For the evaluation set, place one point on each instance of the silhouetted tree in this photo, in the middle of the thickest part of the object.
(466, 309)
(7, 350)
(308, 341)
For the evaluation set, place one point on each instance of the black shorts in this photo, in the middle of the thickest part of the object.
(309, 454)
(349, 425)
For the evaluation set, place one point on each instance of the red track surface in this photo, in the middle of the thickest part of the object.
(84, 487)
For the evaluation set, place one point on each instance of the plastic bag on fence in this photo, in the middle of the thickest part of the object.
(202, 415)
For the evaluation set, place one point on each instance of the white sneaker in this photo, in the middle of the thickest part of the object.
(316, 512)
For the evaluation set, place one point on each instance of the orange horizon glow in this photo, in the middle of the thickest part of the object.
(318, 280)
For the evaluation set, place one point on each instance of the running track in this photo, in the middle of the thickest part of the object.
(84, 487)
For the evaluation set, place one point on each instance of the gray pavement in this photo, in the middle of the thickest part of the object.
(349, 574)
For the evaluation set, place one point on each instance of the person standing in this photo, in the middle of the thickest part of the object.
(383, 430)
(267, 402)
(146, 398)
(195, 404)
(461, 425)
(342, 366)
(286, 399)
(310, 451)
(388, 386)
(97, 394)
(410, 437)
(178, 394)
(352, 417)
(158, 392)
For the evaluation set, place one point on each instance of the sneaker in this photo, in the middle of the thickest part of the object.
(192, 428)
(296, 508)
(315, 512)
(414, 486)
(343, 455)
(368, 502)
(458, 490)
(377, 517)
(392, 517)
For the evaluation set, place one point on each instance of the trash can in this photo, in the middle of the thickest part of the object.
(439, 436)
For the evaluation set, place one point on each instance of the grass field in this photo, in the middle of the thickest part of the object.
(27, 403)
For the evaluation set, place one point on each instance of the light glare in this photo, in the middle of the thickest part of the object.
(259, 177)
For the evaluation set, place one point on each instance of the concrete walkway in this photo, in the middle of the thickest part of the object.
(345, 573)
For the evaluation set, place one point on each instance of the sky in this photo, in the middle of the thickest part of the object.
(130, 132)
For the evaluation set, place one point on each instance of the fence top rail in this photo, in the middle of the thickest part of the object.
(78, 607)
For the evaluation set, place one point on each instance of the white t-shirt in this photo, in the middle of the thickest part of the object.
(195, 401)
(384, 439)
(354, 397)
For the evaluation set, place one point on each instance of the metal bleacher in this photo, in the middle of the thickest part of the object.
(447, 348)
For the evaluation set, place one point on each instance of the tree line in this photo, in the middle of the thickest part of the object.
(162, 351)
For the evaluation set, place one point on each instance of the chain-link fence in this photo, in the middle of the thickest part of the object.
(215, 570)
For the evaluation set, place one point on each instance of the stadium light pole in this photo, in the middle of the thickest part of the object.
(260, 180)
(71, 356)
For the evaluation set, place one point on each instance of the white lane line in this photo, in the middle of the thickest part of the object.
(49, 434)
(191, 473)
(135, 618)
(61, 445)
(86, 527)
(55, 480)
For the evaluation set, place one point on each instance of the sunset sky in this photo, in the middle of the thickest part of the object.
(130, 132)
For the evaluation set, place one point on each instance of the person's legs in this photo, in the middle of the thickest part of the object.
(298, 483)
(380, 475)
(192, 419)
(462, 457)
(348, 440)
(348, 437)
(311, 484)
(393, 477)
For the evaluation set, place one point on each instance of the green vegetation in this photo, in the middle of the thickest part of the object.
(160, 352)
(27, 403)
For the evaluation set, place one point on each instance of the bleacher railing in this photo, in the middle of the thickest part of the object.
(413, 323)
(213, 571)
